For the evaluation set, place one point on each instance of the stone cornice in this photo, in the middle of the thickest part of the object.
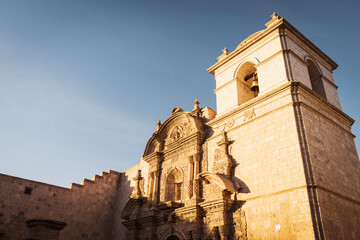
(329, 81)
(321, 100)
(277, 90)
(272, 25)
(248, 104)
(312, 46)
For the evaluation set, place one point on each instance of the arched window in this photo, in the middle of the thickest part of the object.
(315, 78)
(174, 185)
(247, 82)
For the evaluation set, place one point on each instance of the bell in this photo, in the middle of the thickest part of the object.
(255, 85)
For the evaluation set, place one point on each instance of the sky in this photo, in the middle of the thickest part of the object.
(83, 83)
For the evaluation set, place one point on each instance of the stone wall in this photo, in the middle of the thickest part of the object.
(335, 166)
(86, 208)
(269, 166)
(124, 190)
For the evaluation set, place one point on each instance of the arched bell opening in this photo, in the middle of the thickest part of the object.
(316, 78)
(174, 186)
(247, 82)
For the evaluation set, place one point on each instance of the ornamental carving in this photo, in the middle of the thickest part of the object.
(223, 163)
(219, 154)
(180, 131)
(240, 225)
(183, 199)
(249, 114)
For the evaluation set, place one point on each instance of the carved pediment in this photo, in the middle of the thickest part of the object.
(175, 129)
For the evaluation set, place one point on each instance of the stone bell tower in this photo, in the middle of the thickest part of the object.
(293, 150)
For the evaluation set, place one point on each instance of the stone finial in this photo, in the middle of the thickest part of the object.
(225, 51)
(158, 124)
(223, 55)
(196, 105)
(275, 16)
(137, 191)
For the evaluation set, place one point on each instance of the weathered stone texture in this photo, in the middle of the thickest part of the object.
(87, 209)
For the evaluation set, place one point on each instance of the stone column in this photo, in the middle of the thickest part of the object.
(197, 163)
(197, 171)
(157, 176)
(191, 176)
(151, 186)
(224, 232)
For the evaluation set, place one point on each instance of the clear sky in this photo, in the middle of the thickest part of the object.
(83, 83)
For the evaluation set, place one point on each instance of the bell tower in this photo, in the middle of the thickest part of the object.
(268, 59)
(293, 148)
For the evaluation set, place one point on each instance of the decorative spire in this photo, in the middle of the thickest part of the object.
(158, 124)
(196, 105)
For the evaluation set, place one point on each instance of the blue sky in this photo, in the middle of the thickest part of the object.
(83, 83)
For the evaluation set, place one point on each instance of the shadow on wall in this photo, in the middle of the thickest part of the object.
(212, 213)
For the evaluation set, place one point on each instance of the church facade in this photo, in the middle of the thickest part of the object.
(276, 161)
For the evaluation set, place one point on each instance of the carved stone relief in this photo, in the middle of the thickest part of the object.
(249, 114)
(211, 191)
(223, 163)
(181, 201)
(180, 131)
(240, 225)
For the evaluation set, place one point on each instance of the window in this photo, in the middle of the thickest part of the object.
(173, 190)
(316, 78)
(28, 190)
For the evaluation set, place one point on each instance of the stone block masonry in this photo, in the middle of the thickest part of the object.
(86, 208)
